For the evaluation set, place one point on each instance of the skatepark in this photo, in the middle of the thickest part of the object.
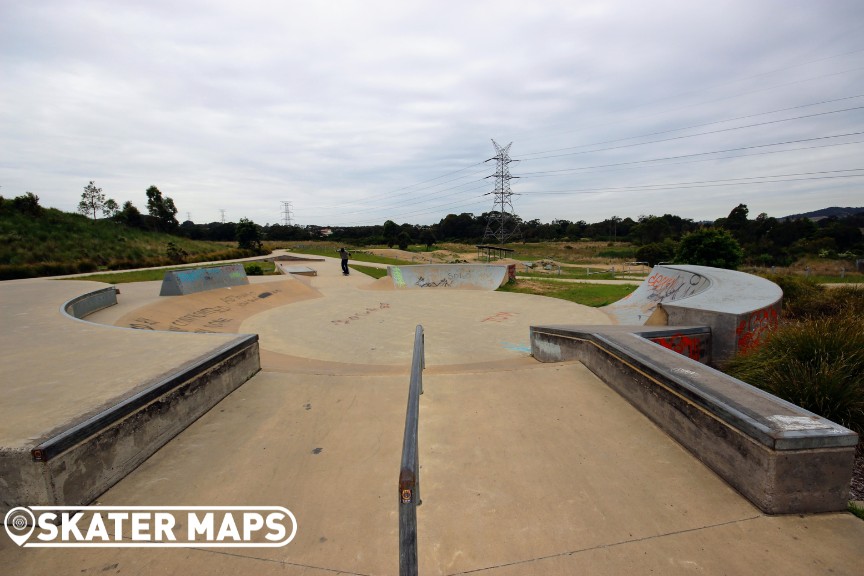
(535, 458)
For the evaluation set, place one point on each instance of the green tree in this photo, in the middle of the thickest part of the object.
(391, 230)
(710, 247)
(129, 215)
(248, 235)
(162, 209)
(427, 237)
(110, 208)
(92, 200)
(403, 240)
(27, 204)
(656, 252)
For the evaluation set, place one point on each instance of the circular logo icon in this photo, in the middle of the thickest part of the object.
(20, 523)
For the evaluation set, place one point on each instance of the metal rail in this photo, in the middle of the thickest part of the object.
(409, 472)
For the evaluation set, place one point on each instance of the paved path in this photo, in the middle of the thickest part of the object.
(526, 468)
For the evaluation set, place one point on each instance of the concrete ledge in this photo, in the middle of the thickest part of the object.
(783, 458)
(182, 282)
(75, 465)
(91, 302)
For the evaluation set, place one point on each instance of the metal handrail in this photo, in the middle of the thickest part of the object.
(409, 472)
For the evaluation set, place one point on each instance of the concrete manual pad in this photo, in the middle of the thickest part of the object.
(542, 470)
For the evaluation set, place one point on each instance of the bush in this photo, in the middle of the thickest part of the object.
(817, 364)
(254, 270)
(806, 298)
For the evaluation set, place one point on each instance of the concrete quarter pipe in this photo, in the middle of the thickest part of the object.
(460, 276)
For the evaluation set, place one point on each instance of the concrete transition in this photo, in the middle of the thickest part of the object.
(181, 282)
(739, 308)
(461, 276)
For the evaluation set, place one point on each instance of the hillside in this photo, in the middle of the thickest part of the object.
(834, 211)
(36, 241)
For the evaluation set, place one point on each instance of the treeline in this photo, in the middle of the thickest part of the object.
(763, 240)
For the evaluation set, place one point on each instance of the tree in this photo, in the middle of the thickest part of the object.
(391, 229)
(27, 204)
(248, 236)
(710, 247)
(92, 200)
(656, 252)
(427, 237)
(110, 208)
(162, 209)
(129, 215)
(403, 239)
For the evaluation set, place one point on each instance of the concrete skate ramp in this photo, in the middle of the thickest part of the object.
(217, 311)
(459, 276)
(739, 308)
(664, 284)
(181, 282)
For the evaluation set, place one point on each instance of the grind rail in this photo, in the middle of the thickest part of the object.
(409, 472)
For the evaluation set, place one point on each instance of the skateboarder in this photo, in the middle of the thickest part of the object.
(344, 254)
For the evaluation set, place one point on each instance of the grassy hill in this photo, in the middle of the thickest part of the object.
(36, 241)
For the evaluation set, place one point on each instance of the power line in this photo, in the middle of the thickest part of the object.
(710, 183)
(694, 126)
(698, 134)
(692, 155)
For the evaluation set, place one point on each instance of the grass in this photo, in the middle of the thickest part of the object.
(329, 249)
(856, 510)
(369, 270)
(156, 274)
(568, 273)
(587, 294)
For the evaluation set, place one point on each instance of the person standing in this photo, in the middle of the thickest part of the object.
(344, 254)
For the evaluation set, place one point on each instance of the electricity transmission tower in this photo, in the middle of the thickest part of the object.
(502, 223)
(286, 213)
(222, 210)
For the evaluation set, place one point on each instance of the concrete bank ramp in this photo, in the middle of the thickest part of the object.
(664, 284)
(739, 308)
(459, 276)
(221, 310)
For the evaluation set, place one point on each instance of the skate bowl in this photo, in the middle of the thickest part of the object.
(457, 276)
(182, 282)
(739, 308)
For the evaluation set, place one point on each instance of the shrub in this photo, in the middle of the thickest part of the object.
(254, 270)
(805, 298)
(817, 364)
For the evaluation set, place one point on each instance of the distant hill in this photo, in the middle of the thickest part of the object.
(825, 213)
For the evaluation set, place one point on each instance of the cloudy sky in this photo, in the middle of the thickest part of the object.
(358, 111)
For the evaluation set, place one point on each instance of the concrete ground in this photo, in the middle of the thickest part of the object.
(526, 468)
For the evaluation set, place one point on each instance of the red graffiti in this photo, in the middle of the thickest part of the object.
(751, 331)
(500, 317)
(688, 346)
